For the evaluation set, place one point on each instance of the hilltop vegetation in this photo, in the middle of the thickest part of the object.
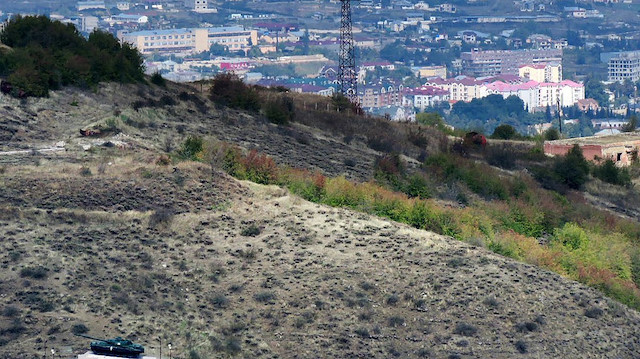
(45, 55)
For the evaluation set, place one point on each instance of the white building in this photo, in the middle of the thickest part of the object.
(536, 95)
(126, 18)
(423, 97)
(201, 6)
(123, 5)
(626, 65)
(91, 5)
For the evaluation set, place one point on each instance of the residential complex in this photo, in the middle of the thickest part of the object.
(538, 95)
(625, 65)
(380, 95)
(542, 72)
(494, 62)
(424, 97)
(535, 95)
(234, 38)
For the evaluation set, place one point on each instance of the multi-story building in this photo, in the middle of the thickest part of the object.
(625, 65)
(459, 88)
(423, 97)
(493, 62)
(380, 95)
(169, 41)
(541, 72)
(234, 38)
(125, 18)
(123, 5)
(191, 40)
(430, 71)
(536, 95)
(91, 5)
(196, 5)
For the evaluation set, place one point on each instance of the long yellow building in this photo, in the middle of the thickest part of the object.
(194, 40)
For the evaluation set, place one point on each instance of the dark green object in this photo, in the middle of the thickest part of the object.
(118, 347)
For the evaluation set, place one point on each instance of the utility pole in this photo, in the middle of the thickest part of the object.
(559, 119)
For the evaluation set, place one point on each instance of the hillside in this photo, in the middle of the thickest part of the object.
(99, 237)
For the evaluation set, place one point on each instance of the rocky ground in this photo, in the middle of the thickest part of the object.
(101, 240)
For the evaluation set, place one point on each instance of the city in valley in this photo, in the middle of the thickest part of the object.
(575, 60)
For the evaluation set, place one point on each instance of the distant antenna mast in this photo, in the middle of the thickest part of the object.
(347, 76)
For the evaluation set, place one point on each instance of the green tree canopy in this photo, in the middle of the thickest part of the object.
(573, 169)
(48, 54)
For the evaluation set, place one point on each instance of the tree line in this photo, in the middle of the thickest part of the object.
(41, 55)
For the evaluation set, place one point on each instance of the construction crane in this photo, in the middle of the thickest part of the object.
(347, 74)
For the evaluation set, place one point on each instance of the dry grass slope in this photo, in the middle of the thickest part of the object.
(108, 240)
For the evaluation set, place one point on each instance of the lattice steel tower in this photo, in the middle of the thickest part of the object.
(347, 75)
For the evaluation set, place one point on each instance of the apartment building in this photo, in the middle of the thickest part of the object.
(430, 71)
(194, 40)
(380, 95)
(493, 62)
(541, 72)
(539, 95)
(624, 65)
(459, 88)
(424, 97)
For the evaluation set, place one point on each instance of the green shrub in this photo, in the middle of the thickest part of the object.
(48, 54)
(610, 173)
(219, 300)
(573, 169)
(38, 272)
(191, 149)
(279, 111)
(389, 169)
(571, 236)
(265, 297)
(528, 224)
(465, 329)
(229, 90)
(418, 186)
(504, 132)
(551, 134)
(79, 329)
(635, 266)
(157, 79)
(251, 231)
(85, 171)
(503, 249)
